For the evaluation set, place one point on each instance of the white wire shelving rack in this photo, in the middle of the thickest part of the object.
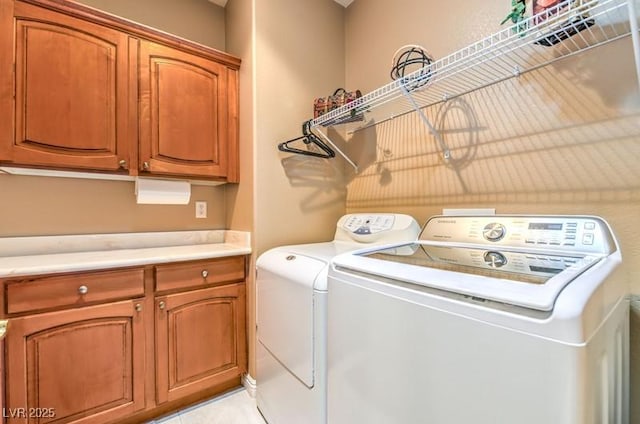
(565, 30)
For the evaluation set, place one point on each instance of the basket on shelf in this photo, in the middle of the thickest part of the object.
(339, 98)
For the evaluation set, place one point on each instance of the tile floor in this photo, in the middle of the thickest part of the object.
(235, 407)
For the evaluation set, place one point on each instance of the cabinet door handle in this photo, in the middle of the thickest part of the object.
(138, 307)
(145, 166)
(161, 305)
(123, 164)
(205, 273)
(83, 289)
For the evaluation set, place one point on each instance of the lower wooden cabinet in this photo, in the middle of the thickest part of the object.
(200, 338)
(111, 346)
(82, 365)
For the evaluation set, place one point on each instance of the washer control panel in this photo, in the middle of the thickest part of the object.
(377, 227)
(369, 224)
(480, 261)
(567, 233)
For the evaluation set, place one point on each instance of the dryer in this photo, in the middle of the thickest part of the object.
(291, 306)
(485, 320)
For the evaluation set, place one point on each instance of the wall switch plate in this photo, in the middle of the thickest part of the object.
(201, 209)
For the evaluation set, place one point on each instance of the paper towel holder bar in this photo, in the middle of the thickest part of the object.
(156, 191)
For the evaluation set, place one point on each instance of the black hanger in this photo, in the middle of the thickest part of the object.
(308, 137)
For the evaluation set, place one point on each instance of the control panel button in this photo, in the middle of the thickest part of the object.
(587, 238)
(494, 231)
(589, 225)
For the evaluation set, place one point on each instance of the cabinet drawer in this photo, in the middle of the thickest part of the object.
(73, 290)
(199, 274)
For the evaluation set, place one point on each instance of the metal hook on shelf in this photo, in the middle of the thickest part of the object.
(307, 138)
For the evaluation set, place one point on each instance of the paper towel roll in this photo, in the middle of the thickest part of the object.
(151, 191)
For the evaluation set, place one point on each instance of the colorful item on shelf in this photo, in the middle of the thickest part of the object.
(518, 9)
(544, 13)
(339, 98)
(517, 16)
(543, 9)
(556, 30)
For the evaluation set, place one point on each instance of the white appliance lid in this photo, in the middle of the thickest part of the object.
(530, 280)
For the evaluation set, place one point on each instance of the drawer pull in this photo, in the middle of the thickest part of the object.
(205, 273)
(83, 290)
(161, 305)
(138, 307)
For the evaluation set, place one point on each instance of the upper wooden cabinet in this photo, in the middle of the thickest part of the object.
(187, 110)
(85, 90)
(71, 92)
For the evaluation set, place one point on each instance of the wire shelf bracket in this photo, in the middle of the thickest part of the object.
(446, 153)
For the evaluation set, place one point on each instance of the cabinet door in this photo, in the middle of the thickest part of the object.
(85, 365)
(184, 112)
(71, 93)
(200, 338)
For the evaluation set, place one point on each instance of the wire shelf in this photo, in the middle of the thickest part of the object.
(559, 32)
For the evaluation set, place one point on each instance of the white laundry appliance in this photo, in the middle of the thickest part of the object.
(292, 316)
(484, 320)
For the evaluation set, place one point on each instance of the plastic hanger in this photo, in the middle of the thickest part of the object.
(307, 138)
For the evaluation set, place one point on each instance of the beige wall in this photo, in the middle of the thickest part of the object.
(196, 20)
(299, 56)
(561, 140)
(240, 42)
(48, 206)
(240, 38)
(43, 205)
(287, 199)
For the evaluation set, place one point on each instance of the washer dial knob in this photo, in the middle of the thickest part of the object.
(495, 259)
(494, 231)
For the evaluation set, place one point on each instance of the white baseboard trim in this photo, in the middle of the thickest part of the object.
(250, 384)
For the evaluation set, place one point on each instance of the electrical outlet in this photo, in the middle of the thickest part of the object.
(201, 209)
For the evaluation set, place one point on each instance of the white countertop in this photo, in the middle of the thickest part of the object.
(21, 256)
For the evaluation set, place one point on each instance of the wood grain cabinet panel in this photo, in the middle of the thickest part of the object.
(71, 92)
(74, 290)
(184, 113)
(86, 365)
(199, 274)
(200, 339)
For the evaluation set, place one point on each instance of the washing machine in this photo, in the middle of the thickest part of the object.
(484, 320)
(291, 318)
